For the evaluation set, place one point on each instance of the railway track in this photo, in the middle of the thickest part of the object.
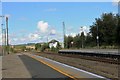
(100, 59)
(92, 58)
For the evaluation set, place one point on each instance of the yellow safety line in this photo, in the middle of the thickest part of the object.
(53, 67)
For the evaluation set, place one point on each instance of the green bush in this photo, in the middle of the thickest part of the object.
(44, 47)
(56, 49)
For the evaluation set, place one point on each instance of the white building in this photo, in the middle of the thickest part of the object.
(53, 43)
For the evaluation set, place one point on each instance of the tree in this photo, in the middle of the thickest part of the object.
(68, 41)
(37, 46)
(82, 39)
(77, 41)
(65, 41)
(44, 47)
(106, 29)
(89, 42)
(118, 31)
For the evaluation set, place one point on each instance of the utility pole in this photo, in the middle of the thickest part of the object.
(7, 35)
(82, 35)
(64, 36)
(1, 25)
(3, 44)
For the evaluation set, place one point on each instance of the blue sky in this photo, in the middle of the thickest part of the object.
(35, 21)
(59, 0)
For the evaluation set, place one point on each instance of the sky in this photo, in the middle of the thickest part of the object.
(33, 22)
(60, 0)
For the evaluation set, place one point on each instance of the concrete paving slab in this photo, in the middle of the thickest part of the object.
(13, 67)
(72, 71)
(103, 51)
(40, 70)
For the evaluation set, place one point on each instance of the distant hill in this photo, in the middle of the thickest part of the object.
(30, 43)
(24, 44)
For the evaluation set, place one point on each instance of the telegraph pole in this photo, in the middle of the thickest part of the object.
(64, 35)
(7, 35)
(82, 35)
(3, 49)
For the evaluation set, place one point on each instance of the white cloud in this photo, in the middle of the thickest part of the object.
(20, 40)
(23, 39)
(115, 2)
(15, 39)
(33, 36)
(71, 34)
(84, 29)
(53, 32)
(42, 26)
(10, 41)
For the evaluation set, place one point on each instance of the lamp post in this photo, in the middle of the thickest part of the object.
(97, 37)
(72, 44)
